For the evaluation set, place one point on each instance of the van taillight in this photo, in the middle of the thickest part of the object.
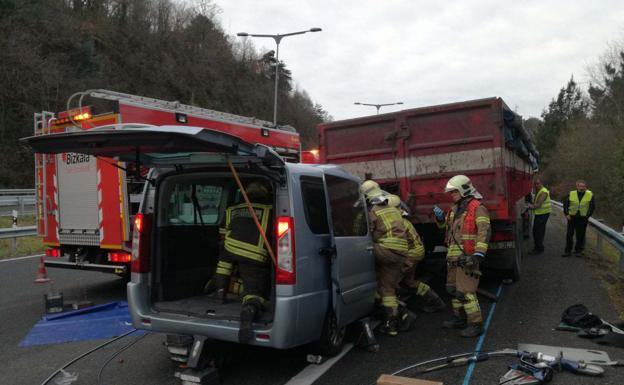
(141, 243)
(285, 272)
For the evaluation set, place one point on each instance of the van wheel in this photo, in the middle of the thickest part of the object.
(332, 338)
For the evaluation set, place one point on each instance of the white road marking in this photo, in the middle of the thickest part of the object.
(18, 258)
(312, 372)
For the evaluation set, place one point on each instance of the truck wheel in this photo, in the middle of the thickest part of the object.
(332, 337)
(518, 255)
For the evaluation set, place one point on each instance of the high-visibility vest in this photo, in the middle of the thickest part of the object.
(242, 237)
(545, 207)
(581, 207)
(389, 217)
(469, 234)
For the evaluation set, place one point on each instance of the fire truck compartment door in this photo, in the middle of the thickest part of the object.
(154, 145)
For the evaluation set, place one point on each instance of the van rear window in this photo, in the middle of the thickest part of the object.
(188, 200)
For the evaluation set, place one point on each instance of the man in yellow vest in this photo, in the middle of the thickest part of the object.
(391, 251)
(541, 208)
(467, 226)
(578, 206)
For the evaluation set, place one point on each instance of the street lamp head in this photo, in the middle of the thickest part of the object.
(315, 29)
(399, 102)
(358, 103)
(242, 34)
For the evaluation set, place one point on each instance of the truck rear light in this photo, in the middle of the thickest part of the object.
(53, 253)
(285, 271)
(119, 257)
(502, 236)
(141, 238)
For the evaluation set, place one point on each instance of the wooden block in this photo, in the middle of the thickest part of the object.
(385, 379)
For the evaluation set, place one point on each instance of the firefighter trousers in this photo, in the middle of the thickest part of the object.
(390, 267)
(254, 275)
(462, 284)
(410, 281)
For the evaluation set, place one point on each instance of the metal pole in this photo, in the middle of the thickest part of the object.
(277, 41)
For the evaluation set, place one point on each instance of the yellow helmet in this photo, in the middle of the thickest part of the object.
(394, 201)
(370, 189)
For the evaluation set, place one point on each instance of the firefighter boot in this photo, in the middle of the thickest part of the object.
(457, 322)
(406, 320)
(472, 330)
(390, 324)
(247, 316)
(433, 302)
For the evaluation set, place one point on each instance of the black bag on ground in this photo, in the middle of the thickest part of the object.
(578, 315)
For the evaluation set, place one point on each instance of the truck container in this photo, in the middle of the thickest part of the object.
(414, 152)
(86, 204)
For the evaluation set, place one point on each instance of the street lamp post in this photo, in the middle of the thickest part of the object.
(378, 106)
(278, 38)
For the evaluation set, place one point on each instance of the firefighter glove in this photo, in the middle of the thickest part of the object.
(470, 260)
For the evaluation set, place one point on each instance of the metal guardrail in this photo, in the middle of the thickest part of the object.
(18, 191)
(23, 204)
(17, 232)
(604, 233)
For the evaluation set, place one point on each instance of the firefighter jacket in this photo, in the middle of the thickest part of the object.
(387, 228)
(467, 228)
(542, 202)
(242, 237)
(416, 250)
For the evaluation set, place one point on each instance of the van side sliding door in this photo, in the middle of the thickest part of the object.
(353, 264)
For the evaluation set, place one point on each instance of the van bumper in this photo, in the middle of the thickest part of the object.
(283, 333)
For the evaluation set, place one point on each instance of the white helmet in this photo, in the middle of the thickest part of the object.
(463, 185)
(371, 189)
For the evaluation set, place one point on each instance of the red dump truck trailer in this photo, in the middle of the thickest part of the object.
(86, 205)
(414, 152)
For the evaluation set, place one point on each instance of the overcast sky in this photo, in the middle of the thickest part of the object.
(431, 52)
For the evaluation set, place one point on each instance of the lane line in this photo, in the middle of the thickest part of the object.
(313, 372)
(482, 338)
(19, 258)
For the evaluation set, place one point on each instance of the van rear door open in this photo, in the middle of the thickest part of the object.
(352, 262)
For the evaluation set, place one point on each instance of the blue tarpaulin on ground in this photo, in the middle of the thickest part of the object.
(96, 322)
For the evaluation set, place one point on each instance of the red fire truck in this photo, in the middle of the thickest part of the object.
(86, 205)
(414, 152)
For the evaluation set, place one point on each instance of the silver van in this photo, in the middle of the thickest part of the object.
(325, 274)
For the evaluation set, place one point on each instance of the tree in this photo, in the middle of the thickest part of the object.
(569, 105)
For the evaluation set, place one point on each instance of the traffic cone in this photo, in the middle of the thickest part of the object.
(42, 274)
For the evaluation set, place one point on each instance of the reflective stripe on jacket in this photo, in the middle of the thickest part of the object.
(388, 230)
(581, 207)
(242, 237)
(416, 250)
(545, 206)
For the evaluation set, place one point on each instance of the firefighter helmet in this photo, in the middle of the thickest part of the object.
(463, 185)
(394, 201)
(370, 189)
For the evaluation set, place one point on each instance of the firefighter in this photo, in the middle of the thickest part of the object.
(390, 249)
(244, 247)
(415, 254)
(578, 206)
(467, 226)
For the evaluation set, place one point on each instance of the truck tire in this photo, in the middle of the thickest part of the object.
(518, 255)
(332, 337)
